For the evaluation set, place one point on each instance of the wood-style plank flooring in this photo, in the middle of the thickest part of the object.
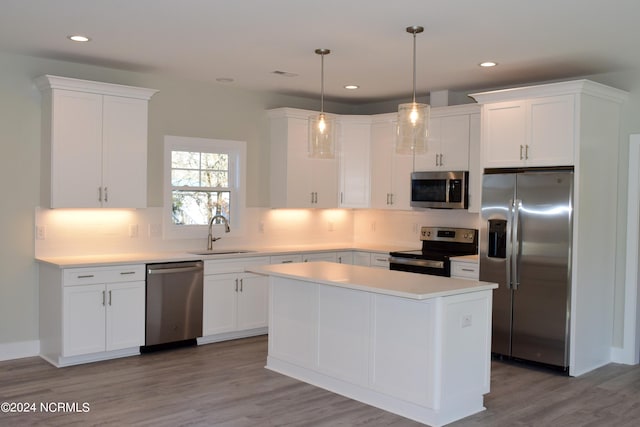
(226, 384)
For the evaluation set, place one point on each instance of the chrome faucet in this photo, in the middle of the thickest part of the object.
(210, 238)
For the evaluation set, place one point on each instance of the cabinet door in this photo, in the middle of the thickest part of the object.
(125, 304)
(504, 134)
(324, 182)
(83, 319)
(362, 258)
(253, 301)
(551, 135)
(430, 161)
(125, 152)
(299, 165)
(402, 167)
(219, 303)
(454, 143)
(344, 257)
(76, 149)
(382, 145)
(354, 159)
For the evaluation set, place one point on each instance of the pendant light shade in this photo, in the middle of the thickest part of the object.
(321, 127)
(413, 117)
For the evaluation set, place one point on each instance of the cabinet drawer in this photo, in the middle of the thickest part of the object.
(92, 275)
(465, 270)
(380, 260)
(285, 259)
(237, 265)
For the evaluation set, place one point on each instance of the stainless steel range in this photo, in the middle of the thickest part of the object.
(439, 244)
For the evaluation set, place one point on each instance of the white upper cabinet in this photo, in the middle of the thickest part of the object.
(449, 139)
(390, 172)
(354, 160)
(95, 136)
(529, 132)
(298, 181)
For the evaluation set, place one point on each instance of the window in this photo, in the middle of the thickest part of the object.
(202, 179)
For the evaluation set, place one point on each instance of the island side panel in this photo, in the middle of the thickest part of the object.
(403, 348)
(465, 365)
(293, 321)
(343, 333)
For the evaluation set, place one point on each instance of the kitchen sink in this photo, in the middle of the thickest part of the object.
(221, 252)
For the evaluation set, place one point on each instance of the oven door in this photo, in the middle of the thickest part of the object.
(421, 266)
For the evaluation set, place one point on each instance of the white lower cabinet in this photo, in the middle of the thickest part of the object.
(90, 314)
(344, 257)
(285, 259)
(234, 302)
(103, 317)
(465, 270)
(320, 256)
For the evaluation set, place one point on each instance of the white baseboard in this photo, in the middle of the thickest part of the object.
(18, 350)
(624, 356)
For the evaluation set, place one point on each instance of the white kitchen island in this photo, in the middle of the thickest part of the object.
(415, 345)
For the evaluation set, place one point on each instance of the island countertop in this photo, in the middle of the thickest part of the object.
(387, 282)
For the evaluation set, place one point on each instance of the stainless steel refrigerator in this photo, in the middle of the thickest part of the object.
(525, 246)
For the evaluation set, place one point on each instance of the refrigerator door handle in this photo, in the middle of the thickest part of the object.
(509, 244)
(515, 243)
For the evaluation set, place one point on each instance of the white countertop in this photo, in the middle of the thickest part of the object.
(99, 260)
(368, 279)
(471, 259)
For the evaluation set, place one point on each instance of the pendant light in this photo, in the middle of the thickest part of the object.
(413, 117)
(321, 127)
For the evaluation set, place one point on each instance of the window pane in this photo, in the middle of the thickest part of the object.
(181, 177)
(215, 179)
(197, 207)
(215, 161)
(185, 160)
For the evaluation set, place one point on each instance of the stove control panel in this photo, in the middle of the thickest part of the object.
(447, 234)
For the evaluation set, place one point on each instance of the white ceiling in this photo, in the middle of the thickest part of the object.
(532, 40)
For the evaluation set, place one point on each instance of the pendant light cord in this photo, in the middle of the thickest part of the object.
(414, 67)
(322, 83)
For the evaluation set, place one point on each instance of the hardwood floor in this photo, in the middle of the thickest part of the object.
(225, 384)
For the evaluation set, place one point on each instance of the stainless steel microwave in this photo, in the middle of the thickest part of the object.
(444, 190)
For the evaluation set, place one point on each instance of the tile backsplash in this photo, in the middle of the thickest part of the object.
(62, 232)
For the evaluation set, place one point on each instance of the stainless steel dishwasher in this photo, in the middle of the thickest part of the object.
(174, 304)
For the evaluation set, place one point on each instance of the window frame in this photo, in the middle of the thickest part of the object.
(237, 152)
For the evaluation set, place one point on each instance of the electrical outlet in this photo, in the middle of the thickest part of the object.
(330, 226)
(261, 227)
(415, 228)
(466, 321)
(41, 232)
(373, 226)
(133, 230)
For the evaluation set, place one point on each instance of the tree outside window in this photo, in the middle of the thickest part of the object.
(200, 187)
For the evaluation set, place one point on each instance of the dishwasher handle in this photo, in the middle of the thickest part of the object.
(180, 269)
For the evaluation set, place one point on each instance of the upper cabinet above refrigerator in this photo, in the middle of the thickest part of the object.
(539, 125)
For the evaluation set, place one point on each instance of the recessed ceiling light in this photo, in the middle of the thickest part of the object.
(488, 64)
(224, 80)
(78, 38)
(352, 87)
